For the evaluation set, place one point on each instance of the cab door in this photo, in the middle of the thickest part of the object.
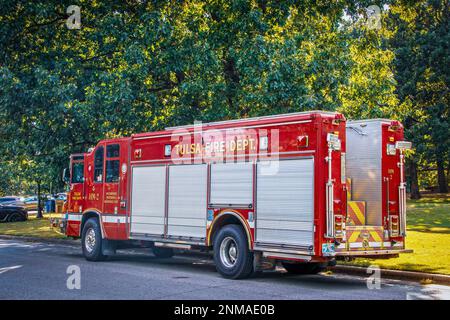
(76, 194)
(95, 180)
(111, 191)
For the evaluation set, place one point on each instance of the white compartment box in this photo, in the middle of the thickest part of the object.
(148, 200)
(232, 184)
(285, 203)
(187, 200)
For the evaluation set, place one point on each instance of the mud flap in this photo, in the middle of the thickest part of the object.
(262, 264)
(108, 247)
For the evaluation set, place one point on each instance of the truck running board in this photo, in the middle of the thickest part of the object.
(276, 251)
(278, 255)
(173, 245)
(166, 241)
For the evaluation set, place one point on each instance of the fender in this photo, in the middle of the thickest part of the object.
(98, 214)
(236, 214)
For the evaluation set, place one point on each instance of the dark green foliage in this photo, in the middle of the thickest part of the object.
(139, 66)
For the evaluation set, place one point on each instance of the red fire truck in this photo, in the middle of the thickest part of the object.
(302, 189)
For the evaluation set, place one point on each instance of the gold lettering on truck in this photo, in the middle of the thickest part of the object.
(111, 197)
(216, 146)
(76, 196)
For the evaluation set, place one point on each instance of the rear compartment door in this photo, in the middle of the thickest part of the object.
(363, 167)
(285, 202)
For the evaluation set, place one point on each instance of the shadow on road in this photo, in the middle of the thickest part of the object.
(186, 264)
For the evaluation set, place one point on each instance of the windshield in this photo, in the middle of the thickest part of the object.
(77, 169)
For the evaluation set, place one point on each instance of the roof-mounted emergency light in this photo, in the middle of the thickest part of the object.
(394, 126)
(338, 118)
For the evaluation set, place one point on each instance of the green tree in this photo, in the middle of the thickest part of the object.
(139, 66)
(420, 42)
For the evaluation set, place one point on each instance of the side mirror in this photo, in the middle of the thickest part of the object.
(66, 175)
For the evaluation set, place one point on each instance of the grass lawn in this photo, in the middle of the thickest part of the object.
(428, 234)
(32, 228)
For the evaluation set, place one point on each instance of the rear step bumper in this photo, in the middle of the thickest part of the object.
(372, 253)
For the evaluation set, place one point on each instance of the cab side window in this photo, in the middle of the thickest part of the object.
(98, 165)
(112, 151)
(112, 163)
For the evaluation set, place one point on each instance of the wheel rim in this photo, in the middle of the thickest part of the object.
(89, 241)
(228, 252)
(14, 218)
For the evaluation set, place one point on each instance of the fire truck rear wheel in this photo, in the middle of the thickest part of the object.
(232, 257)
(91, 241)
(162, 252)
(303, 268)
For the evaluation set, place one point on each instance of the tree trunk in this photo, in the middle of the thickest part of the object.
(448, 169)
(442, 179)
(39, 214)
(415, 193)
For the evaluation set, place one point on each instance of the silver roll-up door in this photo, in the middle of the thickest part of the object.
(364, 166)
(187, 200)
(232, 184)
(285, 203)
(148, 200)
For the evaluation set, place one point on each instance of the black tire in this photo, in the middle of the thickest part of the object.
(163, 252)
(232, 263)
(15, 217)
(303, 268)
(92, 250)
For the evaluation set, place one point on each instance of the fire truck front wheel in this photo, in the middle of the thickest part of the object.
(231, 255)
(91, 241)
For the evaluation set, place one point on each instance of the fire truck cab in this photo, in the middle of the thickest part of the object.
(301, 189)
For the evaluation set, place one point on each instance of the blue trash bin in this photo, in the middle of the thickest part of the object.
(50, 206)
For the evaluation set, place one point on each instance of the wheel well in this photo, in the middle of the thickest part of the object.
(86, 217)
(12, 213)
(223, 220)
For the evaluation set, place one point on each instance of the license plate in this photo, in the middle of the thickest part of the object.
(328, 249)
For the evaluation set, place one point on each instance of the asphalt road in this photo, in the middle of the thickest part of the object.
(39, 271)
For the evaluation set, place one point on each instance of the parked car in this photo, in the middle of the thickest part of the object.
(61, 196)
(12, 212)
(12, 200)
(31, 203)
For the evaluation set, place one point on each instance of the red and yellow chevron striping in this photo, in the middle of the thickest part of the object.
(364, 237)
(356, 213)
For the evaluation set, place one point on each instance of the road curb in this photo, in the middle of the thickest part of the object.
(344, 269)
(394, 274)
(42, 240)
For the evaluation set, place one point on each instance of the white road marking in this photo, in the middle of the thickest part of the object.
(3, 270)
